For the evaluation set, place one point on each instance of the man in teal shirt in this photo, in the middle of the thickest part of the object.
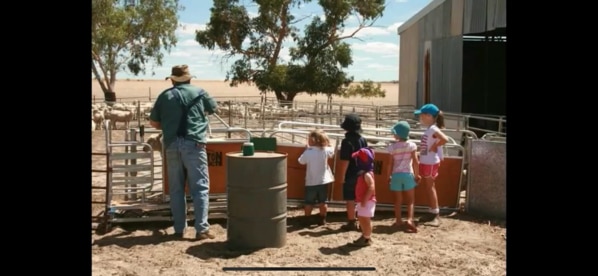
(181, 112)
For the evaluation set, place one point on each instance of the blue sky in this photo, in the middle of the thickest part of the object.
(375, 57)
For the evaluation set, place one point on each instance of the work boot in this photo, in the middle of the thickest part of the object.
(204, 235)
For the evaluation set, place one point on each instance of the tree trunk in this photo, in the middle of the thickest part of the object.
(109, 94)
(285, 98)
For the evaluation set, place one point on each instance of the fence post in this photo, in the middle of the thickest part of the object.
(230, 117)
(340, 112)
(150, 94)
(138, 113)
(500, 124)
(133, 137)
(246, 111)
(377, 116)
(316, 112)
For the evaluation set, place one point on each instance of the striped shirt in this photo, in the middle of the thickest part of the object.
(401, 156)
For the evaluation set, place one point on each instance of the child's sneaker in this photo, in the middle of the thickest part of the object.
(361, 242)
(350, 226)
(435, 222)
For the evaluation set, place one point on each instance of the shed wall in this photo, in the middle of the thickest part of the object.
(409, 60)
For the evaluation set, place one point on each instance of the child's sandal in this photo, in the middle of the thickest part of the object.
(410, 227)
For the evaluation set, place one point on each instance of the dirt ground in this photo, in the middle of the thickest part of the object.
(461, 246)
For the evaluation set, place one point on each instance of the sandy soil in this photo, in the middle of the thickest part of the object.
(462, 245)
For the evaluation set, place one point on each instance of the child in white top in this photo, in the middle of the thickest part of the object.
(405, 174)
(431, 155)
(318, 175)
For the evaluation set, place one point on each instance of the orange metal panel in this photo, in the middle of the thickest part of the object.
(295, 171)
(447, 184)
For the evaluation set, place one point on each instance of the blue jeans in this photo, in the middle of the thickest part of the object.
(186, 154)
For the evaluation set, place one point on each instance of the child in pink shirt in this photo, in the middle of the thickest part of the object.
(365, 195)
(405, 174)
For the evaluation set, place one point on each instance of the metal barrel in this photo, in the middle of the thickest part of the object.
(257, 200)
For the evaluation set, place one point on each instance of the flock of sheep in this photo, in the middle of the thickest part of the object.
(126, 112)
(117, 113)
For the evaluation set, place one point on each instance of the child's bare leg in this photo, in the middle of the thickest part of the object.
(433, 200)
(323, 209)
(351, 210)
(398, 203)
(308, 209)
(366, 227)
(410, 202)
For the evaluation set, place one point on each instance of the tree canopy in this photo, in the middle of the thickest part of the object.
(130, 37)
(319, 55)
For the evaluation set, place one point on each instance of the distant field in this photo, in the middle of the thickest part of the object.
(144, 89)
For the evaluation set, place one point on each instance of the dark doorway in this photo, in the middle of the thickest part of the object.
(427, 77)
(484, 79)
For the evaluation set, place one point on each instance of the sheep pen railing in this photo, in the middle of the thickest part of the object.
(262, 113)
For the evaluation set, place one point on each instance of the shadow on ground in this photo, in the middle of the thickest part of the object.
(344, 250)
(122, 240)
(219, 249)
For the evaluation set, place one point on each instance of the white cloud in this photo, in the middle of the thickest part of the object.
(382, 67)
(401, 1)
(188, 42)
(362, 58)
(370, 31)
(189, 28)
(373, 31)
(252, 14)
(393, 28)
(381, 48)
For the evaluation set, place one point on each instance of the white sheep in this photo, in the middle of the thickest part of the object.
(98, 118)
(119, 116)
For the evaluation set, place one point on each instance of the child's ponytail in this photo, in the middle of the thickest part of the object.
(440, 120)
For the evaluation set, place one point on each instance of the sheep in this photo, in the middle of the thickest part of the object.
(119, 116)
(98, 118)
(155, 140)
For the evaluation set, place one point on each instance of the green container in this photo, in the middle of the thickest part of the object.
(248, 149)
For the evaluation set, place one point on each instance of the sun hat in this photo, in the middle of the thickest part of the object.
(352, 122)
(428, 109)
(180, 73)
(401, 129)
(364, 158)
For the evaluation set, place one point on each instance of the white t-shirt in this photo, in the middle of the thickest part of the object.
(428, 139)
(318, 172)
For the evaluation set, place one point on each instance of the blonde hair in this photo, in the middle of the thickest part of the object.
(319, 138)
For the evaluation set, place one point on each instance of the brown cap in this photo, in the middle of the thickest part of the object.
(180, 73)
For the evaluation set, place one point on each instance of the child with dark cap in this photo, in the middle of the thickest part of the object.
(352, 142)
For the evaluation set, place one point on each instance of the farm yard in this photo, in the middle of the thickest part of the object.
(462, 245)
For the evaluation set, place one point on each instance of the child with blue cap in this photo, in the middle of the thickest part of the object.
(405, 174)
(430, 155)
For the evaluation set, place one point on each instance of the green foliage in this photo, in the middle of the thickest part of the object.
(128, 38)
(366, 89)
(318, 59)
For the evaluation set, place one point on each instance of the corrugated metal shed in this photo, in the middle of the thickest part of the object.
(441, 24)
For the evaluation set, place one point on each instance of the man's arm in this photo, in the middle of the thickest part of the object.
(210, 105)
(154, 117)
(155, 124)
